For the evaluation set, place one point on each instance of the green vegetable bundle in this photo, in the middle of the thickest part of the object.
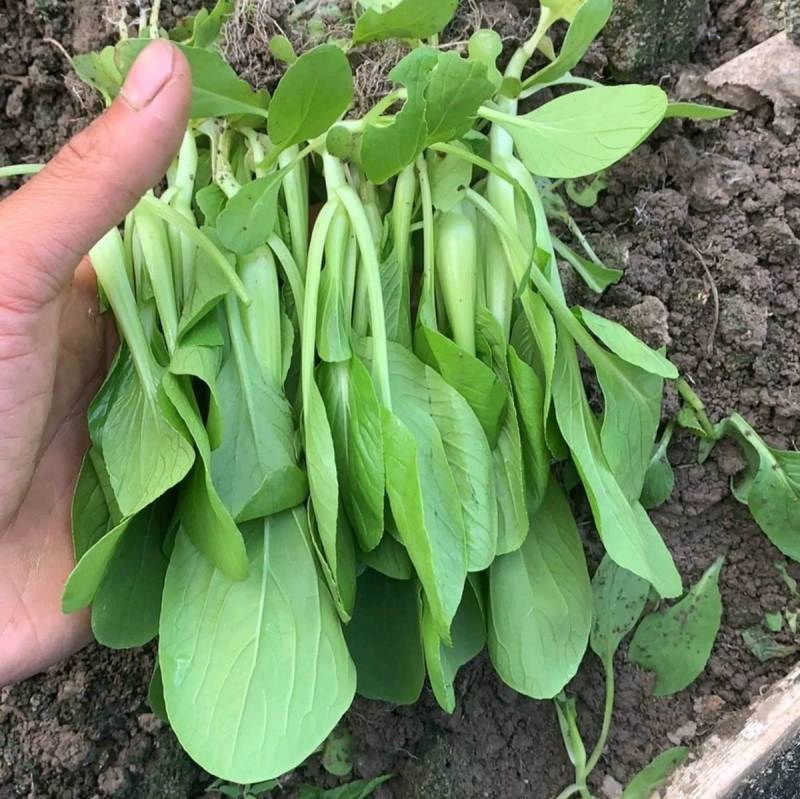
(334, 457)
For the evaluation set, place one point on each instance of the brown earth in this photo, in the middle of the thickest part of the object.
(705, 220)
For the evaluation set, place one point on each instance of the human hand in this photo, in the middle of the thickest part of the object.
(54, 346)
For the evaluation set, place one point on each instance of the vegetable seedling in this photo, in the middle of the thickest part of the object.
(334, 458)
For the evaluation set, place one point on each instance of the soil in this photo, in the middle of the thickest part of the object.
(705, 219)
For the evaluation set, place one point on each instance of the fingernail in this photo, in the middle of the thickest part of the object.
(149, 74)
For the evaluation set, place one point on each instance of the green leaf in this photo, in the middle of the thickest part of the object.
(567, 714)
(540, 606)
(408, 19)
(788, 580)
(689, 419)
(91, 516)
(323, 484)
(625, 529)
(341, 576)
(88, 573)
(210, 200)
(333, 324)
(457, 88)
(659, 480)
(282, 49)
(354, 414)
(588, 194)
(386, 149)
(529, 395)
(389, 558)
(450, 177)
(260, 788)
(255, 467)
(632, 414)
(288, 349)
(424, 502)
(216, 89)
(473, 379)
(770, 485)
(337, 754)
(210, 286)
(512, 519)
(486, 46)
(625, 345)
(562, 9)
(384, 639)
(421, 396)
(773, 621)
(586, 131)
(764, 647)
(313, 93)
(677, 643)
(203, 516)
(144, 453)
(535, 343)
(155, 695)
(127, 603)
(597, 276)
(439, 480)
(100, 71)
(395, 289)
(654, 775)
(249, 218)
(360, 789)
(510, 486)
(443, 661)
(589, 20)
(619, 597)
(243, 704)
(208, 27)
(697, 111)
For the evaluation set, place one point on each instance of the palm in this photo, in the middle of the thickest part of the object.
(53, 343)
(46, 408)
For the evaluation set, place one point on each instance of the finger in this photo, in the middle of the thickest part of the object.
(97, 178)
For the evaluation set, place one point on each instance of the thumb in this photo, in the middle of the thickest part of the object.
(95, 180)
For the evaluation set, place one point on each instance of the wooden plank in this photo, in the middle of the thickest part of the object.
(741, 745)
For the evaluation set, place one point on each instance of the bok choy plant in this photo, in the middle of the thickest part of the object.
(335, 457)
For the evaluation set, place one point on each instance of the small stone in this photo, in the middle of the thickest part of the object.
(73, 686)
(729, 458)
(690, 84)
(493, 744)
(150, 723)
(112, 780)
(778, 239)
(743, 323)
(717, 181)
(739, 682)
(649, 320)
(15, 104)
(686, 732)
(610, 788)
(60, 746)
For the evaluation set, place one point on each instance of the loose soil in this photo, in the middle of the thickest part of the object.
(705, 220)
